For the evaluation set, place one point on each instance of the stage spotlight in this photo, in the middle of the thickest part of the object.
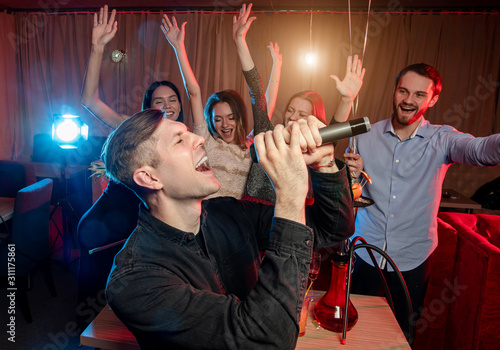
(68, 130)
(310, 58)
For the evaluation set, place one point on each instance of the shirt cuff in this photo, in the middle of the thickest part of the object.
(339, 174)
(291, 237)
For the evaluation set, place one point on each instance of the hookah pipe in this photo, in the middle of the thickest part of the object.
(329, 311)
(369, 248)
(357, 188)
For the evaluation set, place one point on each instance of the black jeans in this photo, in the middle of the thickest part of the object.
(365, 280)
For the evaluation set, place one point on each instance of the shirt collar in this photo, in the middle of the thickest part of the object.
(160, 228)
(420, 131)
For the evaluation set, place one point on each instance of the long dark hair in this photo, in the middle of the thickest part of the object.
(237, 105)
(148, 96)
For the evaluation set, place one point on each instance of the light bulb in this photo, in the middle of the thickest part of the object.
(68, 130)
(311, 58)
(117, 55)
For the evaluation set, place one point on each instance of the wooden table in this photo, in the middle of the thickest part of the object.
(452, 199)
(106, 331)
(6, 208)
(376, 329)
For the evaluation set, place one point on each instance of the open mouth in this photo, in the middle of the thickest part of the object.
(408, 109)
(168, 113)
(202, 165)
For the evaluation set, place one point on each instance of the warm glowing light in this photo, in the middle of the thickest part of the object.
(311, 58)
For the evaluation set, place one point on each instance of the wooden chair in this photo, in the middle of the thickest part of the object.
(28, 241)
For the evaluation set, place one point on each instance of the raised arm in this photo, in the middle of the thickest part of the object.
(332, 195)
(241, 25)
(183, 301)
(175, 37)
(349, 87)
(104, 30)
(274, 79)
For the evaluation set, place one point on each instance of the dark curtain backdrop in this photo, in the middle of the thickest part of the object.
(44, 57)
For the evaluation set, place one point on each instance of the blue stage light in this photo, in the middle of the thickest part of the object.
(68, 130)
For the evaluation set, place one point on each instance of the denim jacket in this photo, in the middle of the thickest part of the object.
(173, 294)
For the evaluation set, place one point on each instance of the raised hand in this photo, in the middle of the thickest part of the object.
(353, 80)
(242, 23)
(104, 30)
(275, 53)
(174, 35)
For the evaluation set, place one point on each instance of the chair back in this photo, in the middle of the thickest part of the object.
(30, 225)
(110, 220)
(15, 176)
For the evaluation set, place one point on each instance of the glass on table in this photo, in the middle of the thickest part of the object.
(313, 274)
(314, 267)
(303, 317)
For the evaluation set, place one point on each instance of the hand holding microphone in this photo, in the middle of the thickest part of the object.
(335, 132)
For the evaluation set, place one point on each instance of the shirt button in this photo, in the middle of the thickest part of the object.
(392, 215)
(304, 284)
(397, 160)
(190, 237)
(309, 243)
(201, 253)
(389, 234)
(394, 197)
(395, 178)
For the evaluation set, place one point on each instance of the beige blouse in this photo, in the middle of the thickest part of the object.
(229, 162)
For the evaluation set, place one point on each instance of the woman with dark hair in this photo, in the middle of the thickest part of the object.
(153, 99)
(234, 131)
(162, 95)
(223, 120)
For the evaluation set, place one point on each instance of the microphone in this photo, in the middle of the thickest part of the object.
(334, 132)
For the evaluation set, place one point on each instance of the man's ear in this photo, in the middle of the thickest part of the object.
(146, 177)
(433, 100)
